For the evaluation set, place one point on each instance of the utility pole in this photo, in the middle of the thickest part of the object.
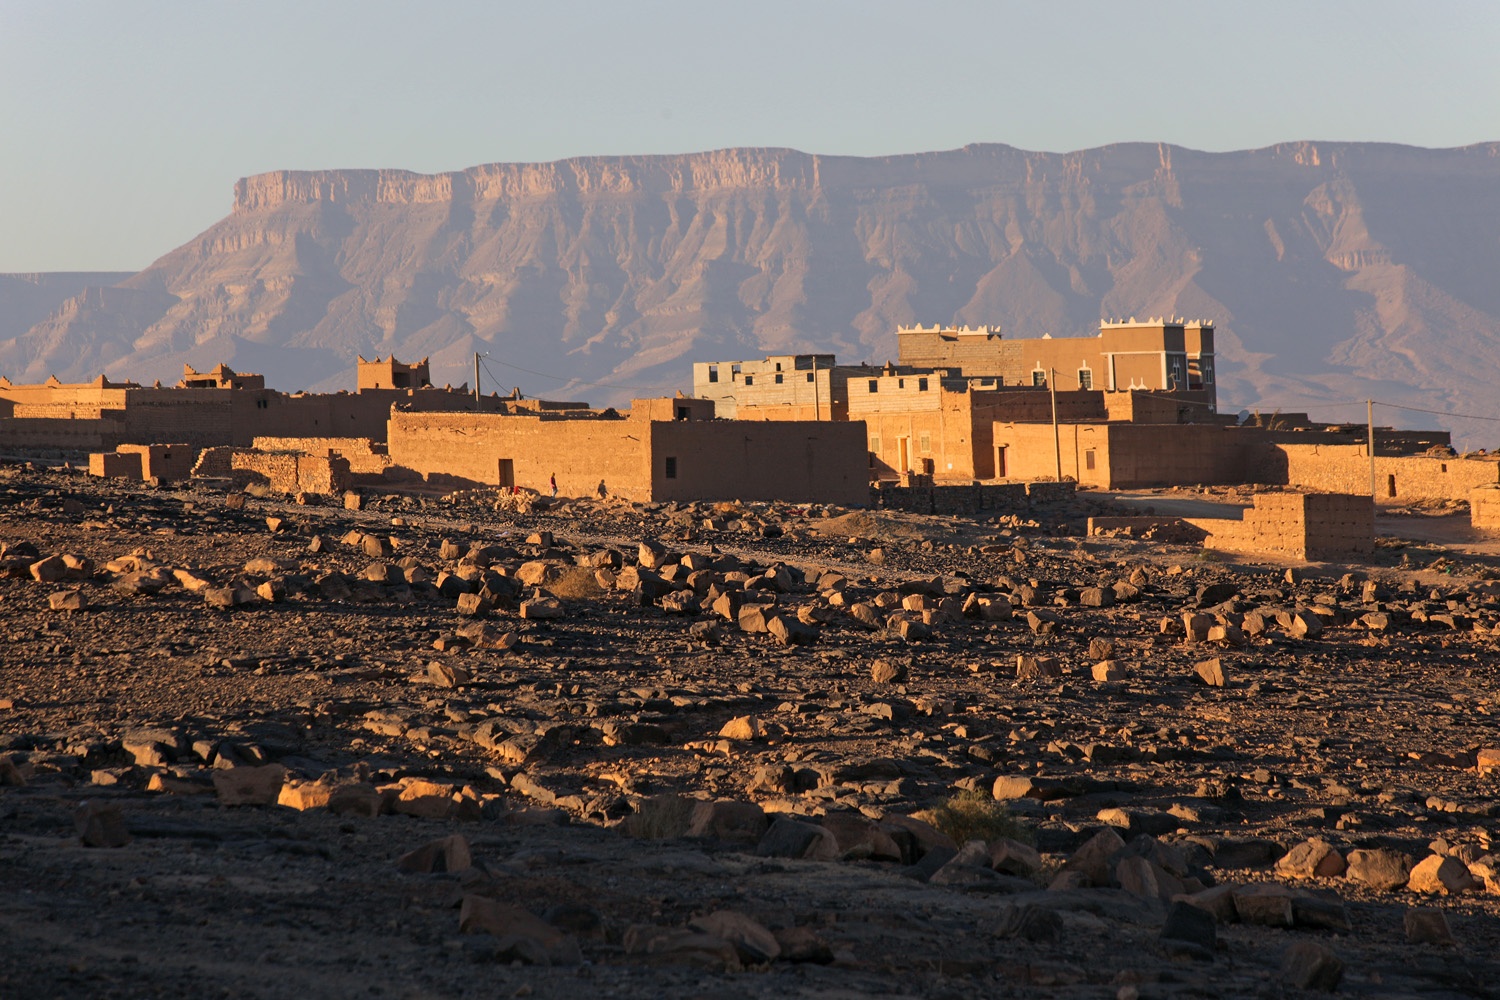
(1056, 441)
(1370, 422)
(476, 378)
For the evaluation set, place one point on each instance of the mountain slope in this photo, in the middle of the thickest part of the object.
(1335, 271)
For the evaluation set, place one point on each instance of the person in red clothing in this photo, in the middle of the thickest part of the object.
(554, 484)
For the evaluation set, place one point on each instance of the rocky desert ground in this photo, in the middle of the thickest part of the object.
(465, 746)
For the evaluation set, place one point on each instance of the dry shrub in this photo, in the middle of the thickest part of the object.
(576, 584)
(972, 815)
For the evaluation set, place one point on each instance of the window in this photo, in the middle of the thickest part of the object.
(1176, 378)
(924, 441)
(1085, 380)
(778, 366)
(682, 413)
(1088, 460)
(1208, 371)
(778, 377)
(901, 383)
(1445, 466)
(875, 445)
(874, 385)
(1038, 378)
(809, 376)
(671, 467)
(749, 379)
(921, 385)
(734, 369)
(713, 373)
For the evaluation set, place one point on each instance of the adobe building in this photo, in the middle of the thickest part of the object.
(664, 449)
(222, 377)
(388, 373)
(1159, 355)
(780, 387)
(942, 426)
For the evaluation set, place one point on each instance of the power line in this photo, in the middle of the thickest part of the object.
(578, 381)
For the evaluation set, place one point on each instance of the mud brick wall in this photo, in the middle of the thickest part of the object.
(114, 465)
(1484, 509)
(169, 463)
(1305, 526)
(1337, 468)
(365, 457)
(292, 473)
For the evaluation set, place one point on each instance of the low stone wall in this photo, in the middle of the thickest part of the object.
(1164, 529)
(975, 498)
(1303, 526)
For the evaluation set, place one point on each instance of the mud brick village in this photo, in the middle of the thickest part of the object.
(1008, 667)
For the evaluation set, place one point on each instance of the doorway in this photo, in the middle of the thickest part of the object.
(507, 473)
(1000, 461)
(903, 457)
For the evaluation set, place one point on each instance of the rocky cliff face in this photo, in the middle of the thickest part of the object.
(1334, 270)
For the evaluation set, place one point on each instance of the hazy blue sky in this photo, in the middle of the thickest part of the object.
(123, 125)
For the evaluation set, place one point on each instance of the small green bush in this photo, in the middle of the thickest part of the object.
(972, 815)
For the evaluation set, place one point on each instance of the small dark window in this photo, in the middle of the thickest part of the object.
(1085, 379)
(809, 376)
(749, 379)
(778, 366)
(1038, 378)
(901, 383)
(713, 373)
(682, 413)
(1088, 460)
(921, 385)
(1390, 486)
(671, 468)
(1445, 466)
(778, 377)
(874, 385)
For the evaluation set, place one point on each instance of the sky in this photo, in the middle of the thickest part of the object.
(125, 123)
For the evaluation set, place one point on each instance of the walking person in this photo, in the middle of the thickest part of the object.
(554, 485)
(602, 491)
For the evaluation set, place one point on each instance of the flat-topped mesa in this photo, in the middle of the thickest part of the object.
(594, 175)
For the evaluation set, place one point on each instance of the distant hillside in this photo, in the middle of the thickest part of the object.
(1334, 270)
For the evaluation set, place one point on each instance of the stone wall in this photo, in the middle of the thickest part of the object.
(976, 498)
(1345, 468)
(1302, 526)
(1484, 509)
(286, 472)
(366, 458)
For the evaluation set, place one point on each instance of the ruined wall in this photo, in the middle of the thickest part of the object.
(287, 472)
(821, 462)
(470, 448)
(365, 457)
(1305, 526)
(976, 498)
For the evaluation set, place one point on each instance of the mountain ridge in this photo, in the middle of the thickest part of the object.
(1334, 270)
